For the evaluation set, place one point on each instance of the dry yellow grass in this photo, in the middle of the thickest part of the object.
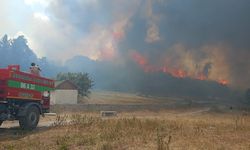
(111, 97)
(139, 130)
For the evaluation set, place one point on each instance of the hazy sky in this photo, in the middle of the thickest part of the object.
(23, 17)
(60, 29)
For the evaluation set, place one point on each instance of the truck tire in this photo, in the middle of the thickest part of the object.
(31, 118)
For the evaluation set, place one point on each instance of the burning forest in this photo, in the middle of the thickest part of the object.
(125, 74)
(125, 43)
(175, 72)
(169, 47)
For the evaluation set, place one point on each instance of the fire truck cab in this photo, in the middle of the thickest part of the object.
(23, 96)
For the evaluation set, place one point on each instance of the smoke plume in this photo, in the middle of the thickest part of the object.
(200, 40)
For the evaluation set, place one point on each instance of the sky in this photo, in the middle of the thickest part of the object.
(55, 30)
(22, 17)
(188, 37)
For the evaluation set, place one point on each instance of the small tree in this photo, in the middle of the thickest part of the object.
(82, 80)
(248, 95)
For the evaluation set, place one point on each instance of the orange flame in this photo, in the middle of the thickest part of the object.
(223, 82)
(178, 73)
(201, 76)
(139, 59)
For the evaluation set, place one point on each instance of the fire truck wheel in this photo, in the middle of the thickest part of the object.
(31, 119)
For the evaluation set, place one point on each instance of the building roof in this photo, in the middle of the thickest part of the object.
(65, 85)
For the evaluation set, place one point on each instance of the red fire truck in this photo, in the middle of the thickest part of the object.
(23, 96)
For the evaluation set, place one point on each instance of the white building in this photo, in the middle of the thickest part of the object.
(65, 93)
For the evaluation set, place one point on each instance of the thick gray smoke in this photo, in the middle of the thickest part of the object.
(209, 37)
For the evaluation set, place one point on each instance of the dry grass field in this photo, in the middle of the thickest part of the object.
(137, 130)
(191, 128)
(110, 97)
